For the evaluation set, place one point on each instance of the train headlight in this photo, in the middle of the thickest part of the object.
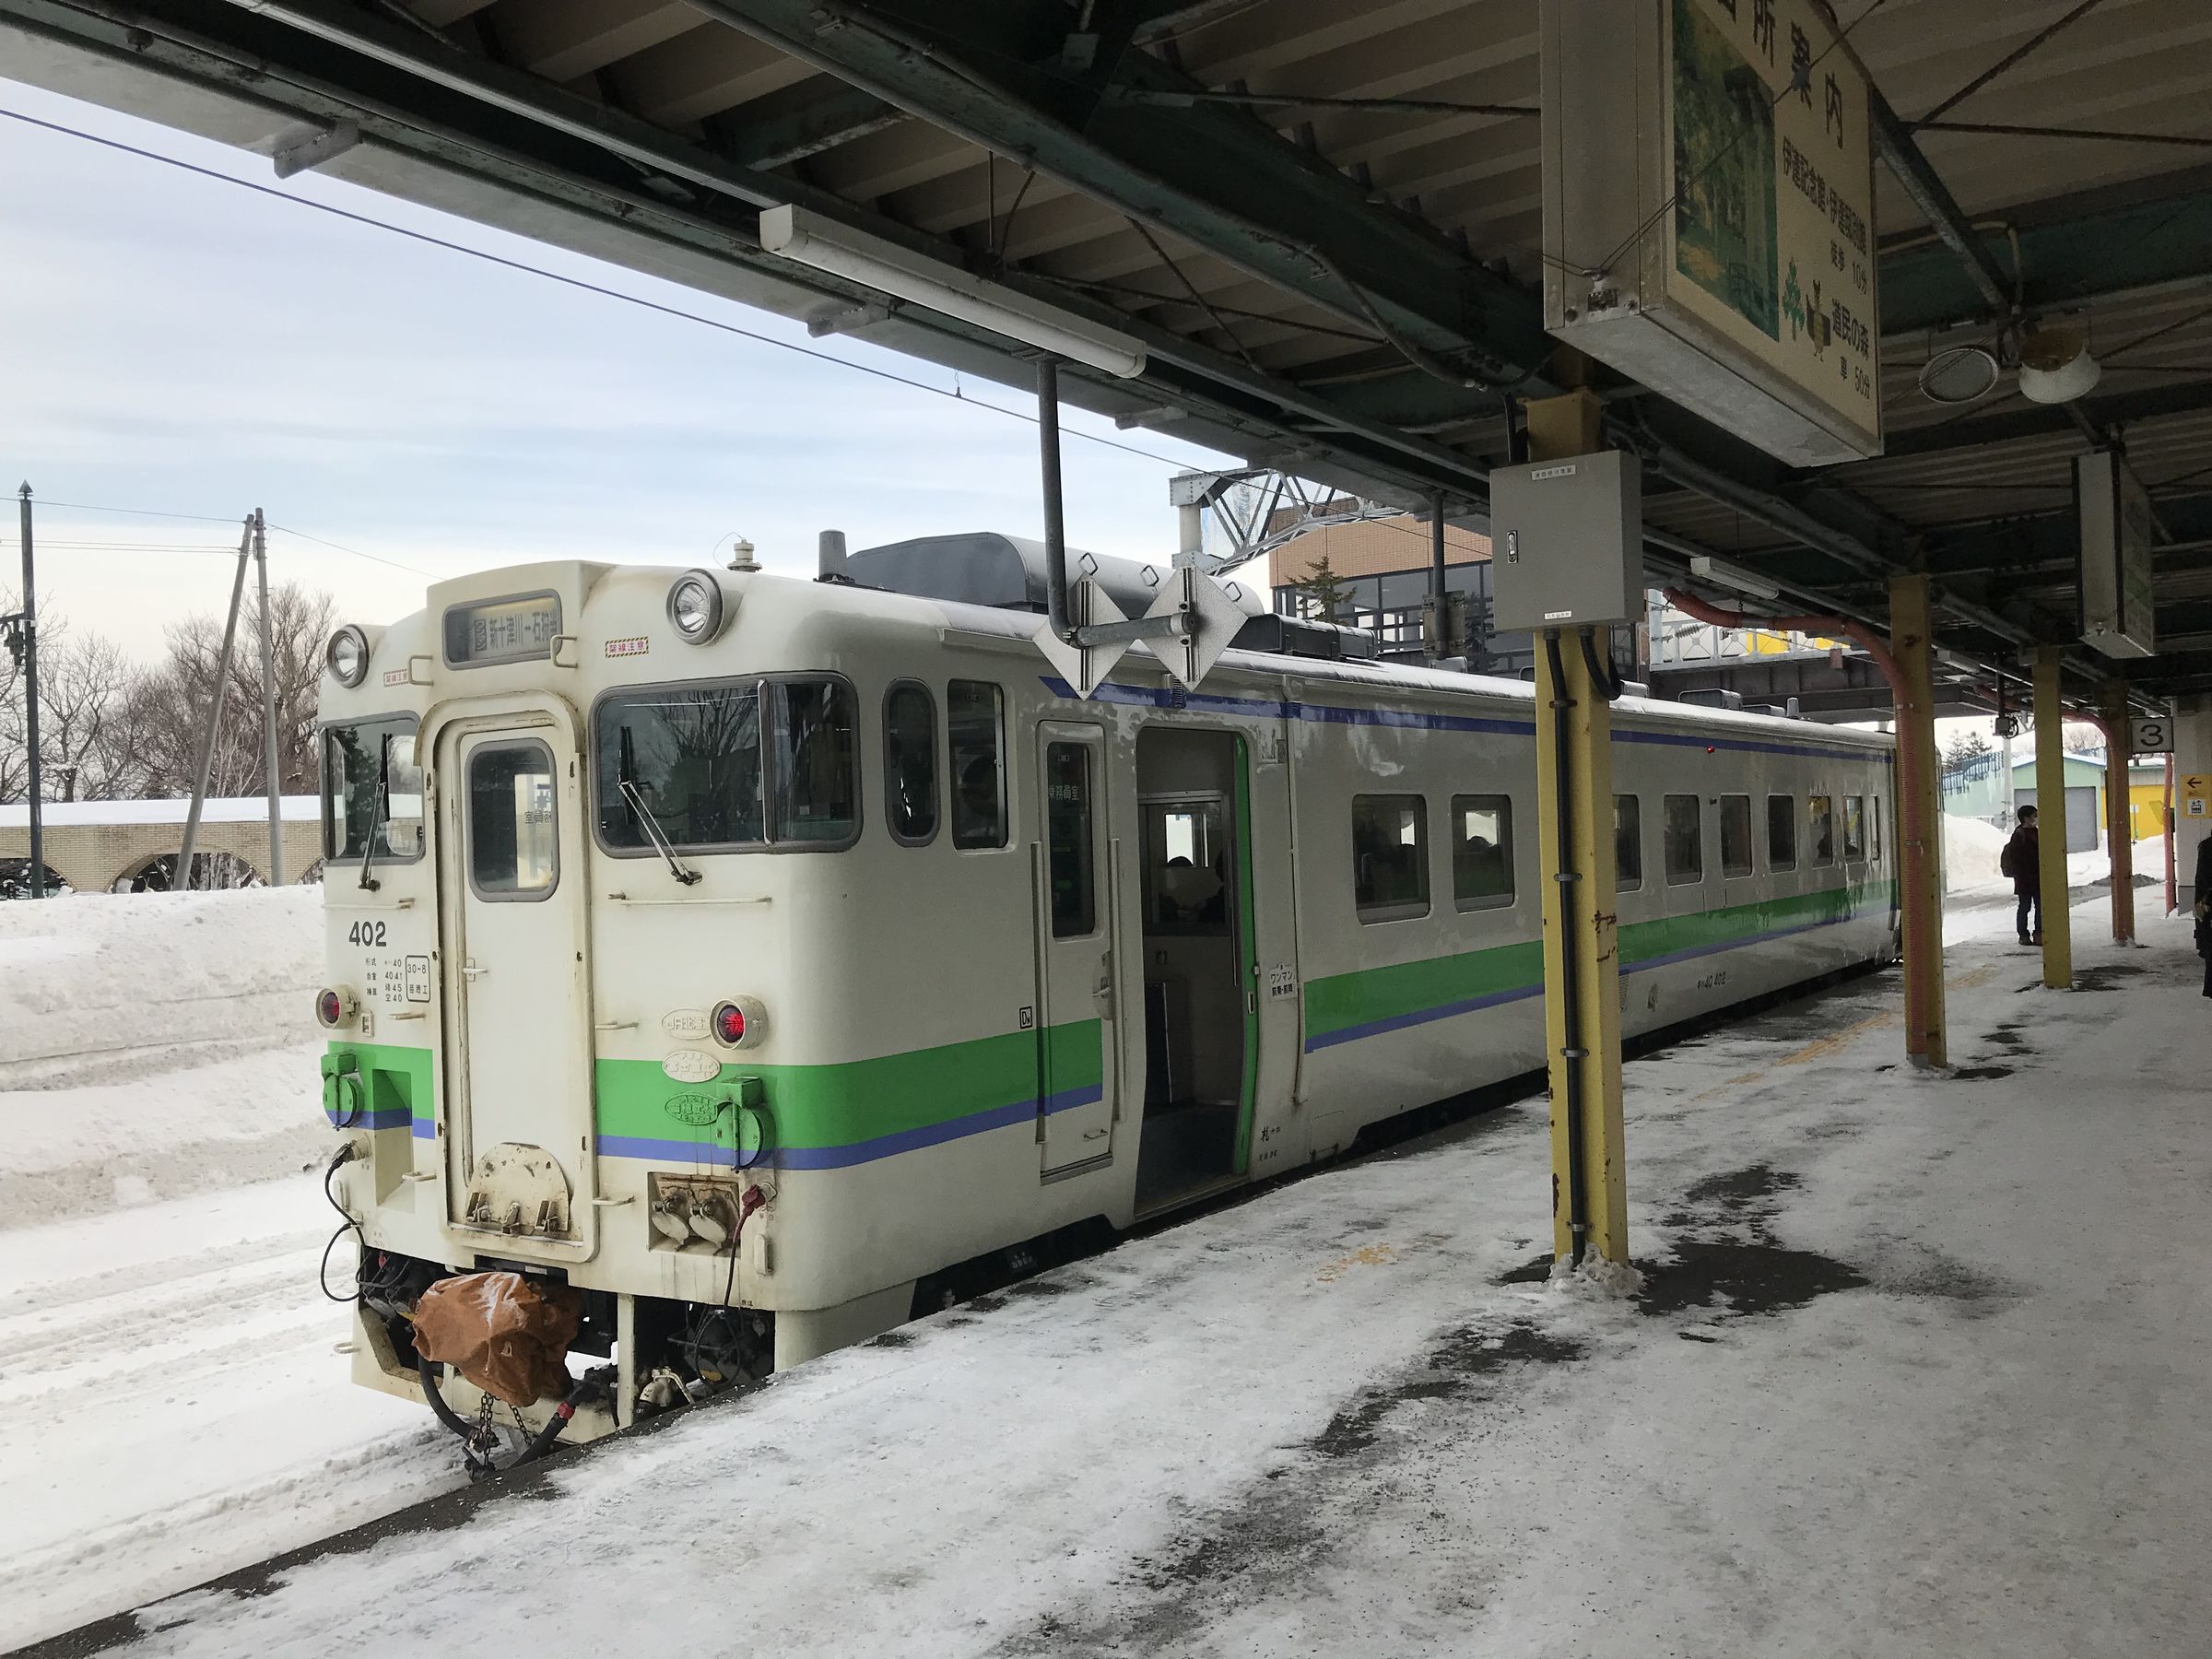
(347, 655)
(695, 606)
(740, 1023)
(335, 1005)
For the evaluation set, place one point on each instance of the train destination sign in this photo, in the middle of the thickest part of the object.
(521, 630)
(1709, 214)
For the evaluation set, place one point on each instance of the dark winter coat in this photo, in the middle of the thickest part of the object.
(2027, 868)
(2202, 885)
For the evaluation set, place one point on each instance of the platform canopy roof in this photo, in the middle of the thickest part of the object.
(1320, 219)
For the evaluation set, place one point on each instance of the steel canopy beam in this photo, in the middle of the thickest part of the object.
(999, 73)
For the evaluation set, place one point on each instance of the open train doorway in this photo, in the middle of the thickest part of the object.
(1198, 928)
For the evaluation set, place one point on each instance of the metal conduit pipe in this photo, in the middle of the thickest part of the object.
(1572, 1054)
(1056, 528)
(1913, 829)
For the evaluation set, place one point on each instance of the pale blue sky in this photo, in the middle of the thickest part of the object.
(175, 343)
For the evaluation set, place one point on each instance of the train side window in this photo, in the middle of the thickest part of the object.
(816, 794)
(1782, 832)
(1683, 838)
(910, 763)
(1820, 812)
(1390, 857)
(1068, 840)
(1735, 835)
(1627, 844)
(1482, 850)
(975, 729)
(1854, 828)
(1874, 829)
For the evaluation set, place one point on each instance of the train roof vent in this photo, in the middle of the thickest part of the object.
(981, 567)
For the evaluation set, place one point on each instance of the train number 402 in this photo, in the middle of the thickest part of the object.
(366, 933)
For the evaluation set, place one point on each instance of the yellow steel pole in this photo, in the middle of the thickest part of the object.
(1920, 821)
(2051, 820)
(1582, 1023)
(2119, 825)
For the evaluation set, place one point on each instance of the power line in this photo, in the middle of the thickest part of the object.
(574, 282)
(342, 547)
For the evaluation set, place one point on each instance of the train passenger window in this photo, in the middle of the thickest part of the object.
(1390, 857)
(370, 778)
(1482, 850)
(1683, 837)
(974, 724)
(1821, 811)
(1068, 840)
(910, 763)
(817, 792)
(514, 840)
(1735, 835)
(681, 766)
(1854, 828)
(1874, 829)
(1627, 844)
(1782, 832)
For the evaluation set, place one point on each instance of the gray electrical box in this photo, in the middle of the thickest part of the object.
(1567, 543)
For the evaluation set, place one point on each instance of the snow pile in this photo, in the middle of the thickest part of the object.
(155, 1044)
(1971, 850)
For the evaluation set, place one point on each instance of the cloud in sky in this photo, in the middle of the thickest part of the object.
(179, 344)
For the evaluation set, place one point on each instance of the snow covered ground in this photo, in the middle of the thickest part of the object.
(1918, 1370)
(171, 1407)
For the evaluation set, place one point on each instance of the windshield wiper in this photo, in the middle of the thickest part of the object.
(378, 812)
(659, 837)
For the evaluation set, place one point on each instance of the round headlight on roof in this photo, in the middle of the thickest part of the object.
(695, 606)
(347, 655)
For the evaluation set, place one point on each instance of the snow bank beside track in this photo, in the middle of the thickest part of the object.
(154, 1045)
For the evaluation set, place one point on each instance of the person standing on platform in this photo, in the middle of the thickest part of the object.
(2022, 861)
(2204, 908)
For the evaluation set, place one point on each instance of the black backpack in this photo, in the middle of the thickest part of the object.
(2008, 861)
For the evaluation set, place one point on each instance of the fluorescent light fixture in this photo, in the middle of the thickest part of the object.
(808, 239)
(1707, 569)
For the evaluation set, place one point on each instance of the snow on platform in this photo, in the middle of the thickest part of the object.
(1919, 1368)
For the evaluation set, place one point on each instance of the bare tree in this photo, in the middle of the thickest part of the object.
(84, 682)
(168, 705)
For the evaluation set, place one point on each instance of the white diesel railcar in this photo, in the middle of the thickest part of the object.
(742, 950)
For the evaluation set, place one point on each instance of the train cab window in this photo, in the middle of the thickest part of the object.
(1482, 851)
(514, 838)
(1070, 864)
(1627, 844)
(910, 763)
(974, 726)
(1683, 837)
(1390, 857)
(1782, 832)
(1854, 828)
(816, 795)
(681, 766)
(371, 792)
(1820, 814)
(1735, 835)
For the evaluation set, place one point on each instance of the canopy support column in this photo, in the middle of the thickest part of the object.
(2119, 820)
(1920, 821)
(2051, 820)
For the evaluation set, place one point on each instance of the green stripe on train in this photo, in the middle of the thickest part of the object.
(1340, 1000)
(397, 1079)
(844, 1103)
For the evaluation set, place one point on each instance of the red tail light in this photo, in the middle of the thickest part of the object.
(330, 1007)
(729, 1024)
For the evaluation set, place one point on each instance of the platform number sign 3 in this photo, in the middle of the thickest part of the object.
(2151, 737)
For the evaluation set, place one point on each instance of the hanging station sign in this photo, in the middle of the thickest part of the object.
(1709, 214)
(2117, 532)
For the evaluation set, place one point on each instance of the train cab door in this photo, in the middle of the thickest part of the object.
(518, 1016)
(1078, 1019)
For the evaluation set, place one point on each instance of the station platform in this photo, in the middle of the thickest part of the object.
(1918, 1367)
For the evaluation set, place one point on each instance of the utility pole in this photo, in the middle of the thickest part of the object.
(215, 712)
(25, 638)
(268, 705)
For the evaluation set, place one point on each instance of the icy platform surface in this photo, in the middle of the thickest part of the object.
(1918, 1368)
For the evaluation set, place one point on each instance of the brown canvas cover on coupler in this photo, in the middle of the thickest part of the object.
(505, 1332)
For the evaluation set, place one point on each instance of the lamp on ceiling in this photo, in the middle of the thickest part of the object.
(810, 240)
(1708, 569)
(1960, 374)
(2056, 364)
